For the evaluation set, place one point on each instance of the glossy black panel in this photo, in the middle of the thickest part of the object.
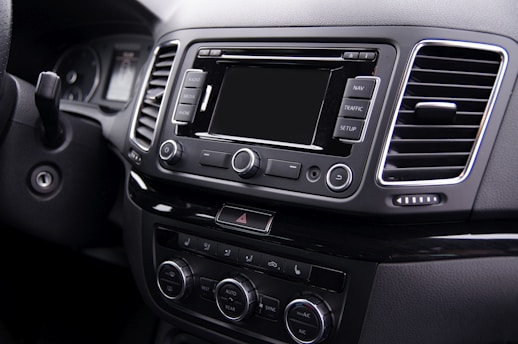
(338, 235)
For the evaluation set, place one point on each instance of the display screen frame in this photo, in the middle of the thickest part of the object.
(288, 104)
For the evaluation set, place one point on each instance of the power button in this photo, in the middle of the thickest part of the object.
(339, 177)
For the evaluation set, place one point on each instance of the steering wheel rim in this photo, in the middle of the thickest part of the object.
(5, 39)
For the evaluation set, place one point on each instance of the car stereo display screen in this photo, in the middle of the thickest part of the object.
(273, 104)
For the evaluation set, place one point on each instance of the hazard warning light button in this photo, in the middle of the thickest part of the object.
(239, 218)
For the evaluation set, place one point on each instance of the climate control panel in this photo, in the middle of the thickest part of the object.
(267, 296)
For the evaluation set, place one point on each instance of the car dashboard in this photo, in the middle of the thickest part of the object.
(294, 172)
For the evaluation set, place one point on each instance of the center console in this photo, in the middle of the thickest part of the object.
(262, 195)
(286, 117)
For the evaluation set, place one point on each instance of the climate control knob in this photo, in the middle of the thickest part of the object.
(236, 298)
(245, 163)
(175, 279)
(308, 320)
(171, 151)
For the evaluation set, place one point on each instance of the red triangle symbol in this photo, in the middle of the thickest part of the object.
(242, 219)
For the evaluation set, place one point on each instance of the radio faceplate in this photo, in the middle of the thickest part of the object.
(283, 116)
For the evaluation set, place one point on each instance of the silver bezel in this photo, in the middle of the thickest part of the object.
(248, 300)
(320, 318)
(182, 274)
(97, 77)
(345, 185)
(142, 92)
(484, 122)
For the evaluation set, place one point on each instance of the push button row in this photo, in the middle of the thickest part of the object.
(354, 108)
(190, 94)
(234, 254)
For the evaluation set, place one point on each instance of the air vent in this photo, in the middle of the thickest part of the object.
(146, 118)
(443, 112)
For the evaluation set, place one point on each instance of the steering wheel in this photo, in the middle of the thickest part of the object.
(5, 42)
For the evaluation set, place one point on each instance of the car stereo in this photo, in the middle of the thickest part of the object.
(280, 116)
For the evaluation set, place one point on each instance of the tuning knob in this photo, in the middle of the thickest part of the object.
(236, 298)
(308, 320)
(175, 279)
(171, 151)
(245, 163)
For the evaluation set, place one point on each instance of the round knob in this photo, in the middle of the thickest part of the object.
(245, 162)
(236, 298)
(308, 320)
(339, 177)
(171, 151)
(175, 279)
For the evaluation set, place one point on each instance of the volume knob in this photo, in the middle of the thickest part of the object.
(171, 151)
(245, 163)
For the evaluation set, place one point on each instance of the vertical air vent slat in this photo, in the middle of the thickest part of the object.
(146, 118)
(442, 114)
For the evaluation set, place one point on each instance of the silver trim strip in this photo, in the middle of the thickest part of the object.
(218, 137)
(142, 94)
(282, 58)
(321, 318)
(484, 122)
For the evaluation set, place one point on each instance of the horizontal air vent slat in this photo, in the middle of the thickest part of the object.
(167, 55)
(431, 145)
(149, 108)
(149, 122)
(422, 173)
(403, 160)
(164, 64)
(456, 77)
(145, 132)
(441, 112)
(150, 111)
(158, 82)
(160, 73)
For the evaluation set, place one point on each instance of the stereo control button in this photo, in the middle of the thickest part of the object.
(194, 79)
(339, 177)
(215, 159)
(190, 96)
(356, 108)
(348, 129)
(184, 113)
(359, 88)
(284, 169)
(245, 162)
